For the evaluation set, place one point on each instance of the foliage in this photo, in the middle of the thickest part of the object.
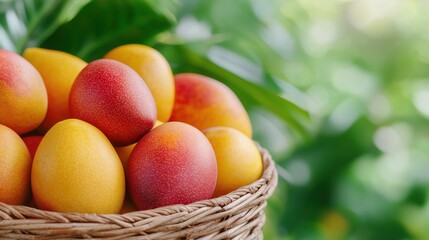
(26, 23)
(357, 170)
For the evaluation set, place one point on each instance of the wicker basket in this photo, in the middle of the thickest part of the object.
(237, 215)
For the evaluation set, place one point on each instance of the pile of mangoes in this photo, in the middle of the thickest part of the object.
(118, 134)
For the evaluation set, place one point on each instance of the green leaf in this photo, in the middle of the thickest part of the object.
(27, 23)
(184, 59)
(250, 30)
(103, 25)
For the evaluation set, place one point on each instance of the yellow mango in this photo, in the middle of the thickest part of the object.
(239, 162)
(76, 169)
(58, 70)
(15, 168)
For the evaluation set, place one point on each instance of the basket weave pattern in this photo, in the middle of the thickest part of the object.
(237, 215)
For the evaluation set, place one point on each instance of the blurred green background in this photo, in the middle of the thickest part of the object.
(337, 90)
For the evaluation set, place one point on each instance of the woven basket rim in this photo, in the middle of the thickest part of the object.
(169, 222)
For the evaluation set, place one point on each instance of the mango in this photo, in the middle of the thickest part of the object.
(172, 164)
(76, 169)
(58, 70)
(154, 70)
(15, 168)
(23, 97)
(239, 162)
(32, 143)
(204, 102)
(112, 96)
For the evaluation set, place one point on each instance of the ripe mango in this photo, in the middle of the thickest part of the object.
(112, 96)
(172, 164)
(76, 169)
(239, 162)
(15, 168)
(23, 97)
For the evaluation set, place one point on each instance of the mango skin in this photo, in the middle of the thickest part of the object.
(58, 70)
(124, 154)
(239, 161)
(32, 143)
(23, 96)
(76, 169)
(112, 96)
(125, 151)
(204, 102)
(15, 170)
(172, 164)
(154, 70)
